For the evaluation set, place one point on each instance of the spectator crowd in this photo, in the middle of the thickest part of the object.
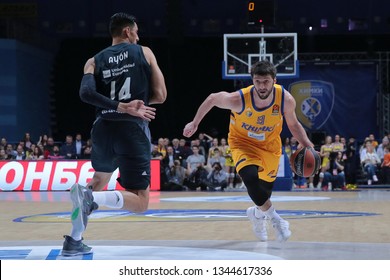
(205, 163)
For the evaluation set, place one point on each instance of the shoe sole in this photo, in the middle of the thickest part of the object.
(74, 253)
(77, 197)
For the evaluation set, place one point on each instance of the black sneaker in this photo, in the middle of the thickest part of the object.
(83, 205)
(72, 247)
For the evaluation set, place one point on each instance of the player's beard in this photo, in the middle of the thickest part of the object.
(264, 96)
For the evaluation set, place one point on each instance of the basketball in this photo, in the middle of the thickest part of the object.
(305, 162)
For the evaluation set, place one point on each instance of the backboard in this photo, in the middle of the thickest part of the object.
(241, 51)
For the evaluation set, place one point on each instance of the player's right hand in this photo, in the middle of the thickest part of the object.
(190, 129)
(138, 109)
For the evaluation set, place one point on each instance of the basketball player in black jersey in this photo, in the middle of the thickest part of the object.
(121, 81)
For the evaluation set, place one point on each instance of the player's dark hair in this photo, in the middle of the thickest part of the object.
(263, 68)
(119, 21)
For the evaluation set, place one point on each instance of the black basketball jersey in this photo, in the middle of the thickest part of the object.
(122, 74)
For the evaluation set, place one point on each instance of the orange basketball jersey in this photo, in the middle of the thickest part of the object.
(254, 133)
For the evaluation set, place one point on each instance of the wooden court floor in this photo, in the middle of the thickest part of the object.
(324, 225)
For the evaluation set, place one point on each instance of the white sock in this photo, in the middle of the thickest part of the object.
(110, 199)
(271, 213)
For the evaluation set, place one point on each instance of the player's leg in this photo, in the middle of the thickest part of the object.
(83, 205)
(136, 201)
(133, 152)
(260, 192)
(99, 180)
(259, 196)
(82, 197)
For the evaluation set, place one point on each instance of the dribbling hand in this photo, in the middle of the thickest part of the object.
(137, 108)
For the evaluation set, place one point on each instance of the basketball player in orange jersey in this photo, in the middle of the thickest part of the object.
(254, 137)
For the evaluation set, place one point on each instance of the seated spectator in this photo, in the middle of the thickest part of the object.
(87, 150)
(381, 147)
(197, 173)
(55, 153)
(197, 179)
(195, 160)
(20, 155)
(30, 151)
(185, 152)
(169, 160)
(27, 140)
(386, 166)
(68, 149)
(48, 148)
(37, 153)
(3, 155)
(156, 153)
(161, 148)
(370, 162)
(3, 143)
(176, 148)
(9, 150)
(363, 147)
(216, 157)
(218, 178)
(373, 141)
(176, 175)
(334, 177)
(42, 140)
(214, 144)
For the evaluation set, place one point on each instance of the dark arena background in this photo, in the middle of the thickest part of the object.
(46, 43)
(342, 87)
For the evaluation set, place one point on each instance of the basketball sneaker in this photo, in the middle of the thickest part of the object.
(83, 205)
(282, 229)
(259, 225)
(72, 247)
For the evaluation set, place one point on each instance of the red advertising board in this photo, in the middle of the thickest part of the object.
(58, 175)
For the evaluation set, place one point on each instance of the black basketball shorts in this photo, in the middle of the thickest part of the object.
(123, 145)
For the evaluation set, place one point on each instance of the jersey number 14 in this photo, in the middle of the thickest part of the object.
(124, 92)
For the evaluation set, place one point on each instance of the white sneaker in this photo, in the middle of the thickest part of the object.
(311, 186)
(259, 224)
(282, 229)
(369, 182)
(375, 178)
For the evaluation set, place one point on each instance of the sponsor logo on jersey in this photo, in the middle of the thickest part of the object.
(106, 73)
(256, 129)
(275, 109)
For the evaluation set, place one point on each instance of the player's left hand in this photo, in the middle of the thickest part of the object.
(138, 108)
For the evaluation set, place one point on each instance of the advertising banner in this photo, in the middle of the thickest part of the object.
(52, 175)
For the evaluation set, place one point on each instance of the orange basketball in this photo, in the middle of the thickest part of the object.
(305, 162)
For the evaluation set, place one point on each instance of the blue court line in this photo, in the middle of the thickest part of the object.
(14, 254)
(54, 253)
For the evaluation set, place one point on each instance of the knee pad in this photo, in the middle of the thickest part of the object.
(258, 190)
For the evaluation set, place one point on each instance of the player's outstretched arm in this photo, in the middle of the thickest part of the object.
(224, 100)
